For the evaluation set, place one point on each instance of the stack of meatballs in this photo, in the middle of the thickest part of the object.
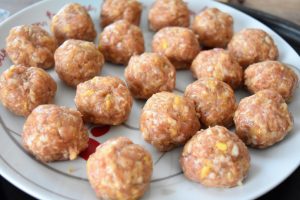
(200, 119)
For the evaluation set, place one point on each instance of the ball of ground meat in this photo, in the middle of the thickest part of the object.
(148, 74)
(24, 88)
(252, 45)
(73, 22)
(121, 40)
(168, 121)
(30, 45)
(77, 61)
(271, 75)
(215, 157)
(165, 13)
(219, 64)
(263, 119)
(53, 133)
(214, 101)
(113, 10)
(104, 100)
(214, 27)
(179, 45)
(120, 169)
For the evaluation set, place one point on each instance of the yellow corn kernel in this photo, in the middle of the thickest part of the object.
(67, 28)
(72, 155)
(205, 171)
(173, 132)
(108, 100)
(88, 93)
(164, 44)
(221, 146)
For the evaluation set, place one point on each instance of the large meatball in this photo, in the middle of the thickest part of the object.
(113, 10)
(120, 170)
(214, 101)
(73, 22)
(215, 157)
(263, 119)
(53, 133)
(271, 75)
(179, 45)
(77, 61)
(168, 121)
(252, 45)
(165, 13)
(121, 40)
(104, 100)
(214, 27)
(24, 88)
(219, 64)
(148, 74)
(30, 45)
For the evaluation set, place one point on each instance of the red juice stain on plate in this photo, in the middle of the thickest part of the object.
(93, 144)
(100, 130)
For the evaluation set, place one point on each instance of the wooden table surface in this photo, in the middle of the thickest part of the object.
(288, 9)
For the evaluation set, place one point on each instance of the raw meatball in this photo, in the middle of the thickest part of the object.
(179, 45)
(148, 74)
(251, 46)
(73, 22)
(215, 157)
(168, 121)
(271, 75)
(24, 88)
(77, 61)
(263, 119)
(104, 100)
(30, 45)
(120, 170)
(165, 13)
(53, 133)
(214, 27)
(113, 10)
(214, 101)
(121, 40)
(219, 64)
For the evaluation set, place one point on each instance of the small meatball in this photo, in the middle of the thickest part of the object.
(30, 45)
(114, 10)
(120, 170)
(104, 100)
(263, 119)
(165, 13)
(215, 157)
(214, 27)
(24, 88)
(148, 74)
(271, 75)
(77, 61)
(219, 64)
(214, 101)
(121, 40)
(179, 45)
(73, 22)
(168, 121)
(251, 46)
(53, 133)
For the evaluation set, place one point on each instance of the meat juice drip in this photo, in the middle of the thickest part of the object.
(93, 144)
(100, 130)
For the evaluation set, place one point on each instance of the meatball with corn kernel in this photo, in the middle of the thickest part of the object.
(215, 157)
(168, 121)
(104, 100)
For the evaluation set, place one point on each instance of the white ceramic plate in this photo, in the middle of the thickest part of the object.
(68, 180)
